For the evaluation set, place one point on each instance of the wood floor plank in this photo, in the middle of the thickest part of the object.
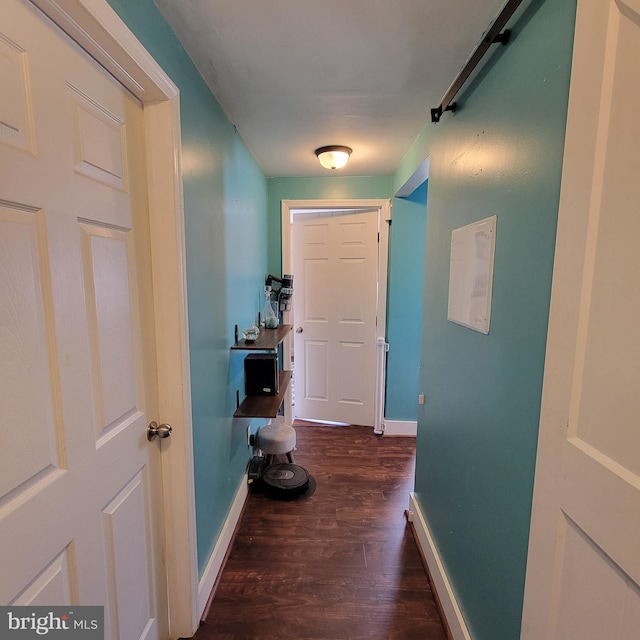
(341, 564)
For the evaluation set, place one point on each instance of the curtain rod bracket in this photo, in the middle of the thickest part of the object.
(494, 35)
(502, 38)
(436, 113)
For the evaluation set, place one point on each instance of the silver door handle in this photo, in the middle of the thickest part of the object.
(299, 330)
(162, 431)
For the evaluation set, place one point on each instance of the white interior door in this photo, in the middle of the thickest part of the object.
(80, 516)
(583, 573)
(335, 258)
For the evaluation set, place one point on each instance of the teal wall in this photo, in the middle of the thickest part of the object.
(225, 198)
(404, 301)
(331, 188)
(414, 157)
(501, 153)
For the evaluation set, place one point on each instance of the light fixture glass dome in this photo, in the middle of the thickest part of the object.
(333, 156)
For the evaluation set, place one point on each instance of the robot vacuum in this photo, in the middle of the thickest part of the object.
(286, 480)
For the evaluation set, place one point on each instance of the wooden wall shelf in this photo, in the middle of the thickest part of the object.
(268, 340)
(264, 406)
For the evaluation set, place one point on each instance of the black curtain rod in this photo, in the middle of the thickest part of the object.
(494, 35)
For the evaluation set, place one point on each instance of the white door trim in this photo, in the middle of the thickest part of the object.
(95, 26)
(384, 220)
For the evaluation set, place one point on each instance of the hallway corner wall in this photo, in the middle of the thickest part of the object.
(404, 301)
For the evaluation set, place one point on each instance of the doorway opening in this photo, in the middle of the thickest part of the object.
(337, 251)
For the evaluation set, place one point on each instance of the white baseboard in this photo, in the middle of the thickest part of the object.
(219, 552)
(441, 583)
(400, 428)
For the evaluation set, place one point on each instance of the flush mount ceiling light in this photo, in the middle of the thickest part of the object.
(333, 156)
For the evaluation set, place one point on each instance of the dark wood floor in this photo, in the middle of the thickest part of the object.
(341, 564)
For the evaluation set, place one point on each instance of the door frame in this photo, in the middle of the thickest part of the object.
(384, 222)
(96, 28)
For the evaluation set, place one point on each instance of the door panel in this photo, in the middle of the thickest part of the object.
(127, 545)
(583, 573)
(611, 598)
(353, 359)
(353, 297)
(99, 141)
(16, 123)
(52, 585)
(315, 295)
(316, 370)
(336, 257)
(109, 290)
(25, 456)
(79, 495)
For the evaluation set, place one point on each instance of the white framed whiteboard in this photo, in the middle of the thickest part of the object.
(471, 274)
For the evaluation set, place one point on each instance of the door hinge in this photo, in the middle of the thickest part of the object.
(378, 237)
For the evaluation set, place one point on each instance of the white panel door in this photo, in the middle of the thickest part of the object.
(583, 573)
(79, 482)
(335, 257)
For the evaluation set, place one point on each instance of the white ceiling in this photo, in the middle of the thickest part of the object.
(294, 75)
